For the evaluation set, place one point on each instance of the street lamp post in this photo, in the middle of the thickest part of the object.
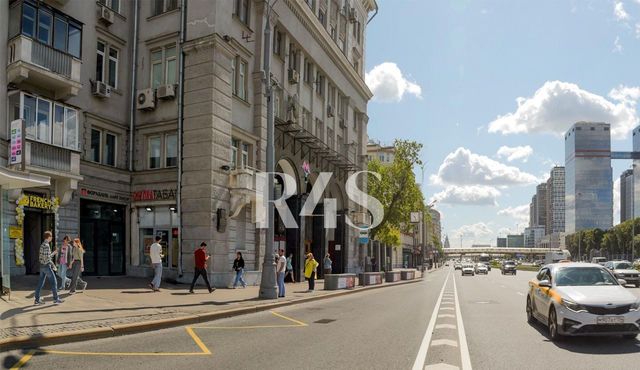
(268, 288)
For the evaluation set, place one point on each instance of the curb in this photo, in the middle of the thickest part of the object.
(24, 342)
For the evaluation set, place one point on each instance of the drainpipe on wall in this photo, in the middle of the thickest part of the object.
(183, 31)
(132, 110)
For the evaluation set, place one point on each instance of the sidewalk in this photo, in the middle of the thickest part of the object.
(126, 303)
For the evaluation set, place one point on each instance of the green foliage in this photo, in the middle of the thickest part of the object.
(617, 240)
(396, 190)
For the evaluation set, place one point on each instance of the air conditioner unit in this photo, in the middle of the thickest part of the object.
(146, 99)
(330, 111)
(166, 92)
(352, 15)
(101, 89)
(106, 15)
(294, 76)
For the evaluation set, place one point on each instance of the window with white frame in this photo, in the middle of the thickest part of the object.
(163, 6)
(46, 121)
(107, 64)
(111, 4)
(241, 10)
(164, 65)
(239, 72)
(49, 26)
(162, 150)
(240, 153)
(102, 147)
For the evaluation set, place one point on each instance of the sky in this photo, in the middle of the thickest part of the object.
(489, 87)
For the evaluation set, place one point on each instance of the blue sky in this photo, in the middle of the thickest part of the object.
(443, 72)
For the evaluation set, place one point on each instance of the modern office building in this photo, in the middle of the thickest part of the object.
(149, 118)
(533, 235)
(538, 207)
(555, 208)
(626, 195)
(446, 244)
(588, 184)
(501, 242)
(515, 241)
(533, 210)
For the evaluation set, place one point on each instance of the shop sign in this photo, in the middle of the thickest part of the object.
(162, 194)
(17, 142)
(15, 232)
(84, 192)
(36, 201)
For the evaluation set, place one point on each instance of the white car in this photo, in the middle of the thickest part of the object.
(467, 269)
(582, 299)
(481, 268)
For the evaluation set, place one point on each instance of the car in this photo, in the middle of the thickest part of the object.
(457, 266)
(624, 270)
(488, 264)
(582, 299)
(508, 267)
(599, 260)
(481, 268)
(467, 269)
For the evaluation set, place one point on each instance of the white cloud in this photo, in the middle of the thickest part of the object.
(468, 195)
(462, 167)
(638, 30)
(389, 85)
(519, 213)
(616, 201)
(626, 94)
(617, 46)
(513, 153)
(619, 12)
(473, 233)
(557, 105)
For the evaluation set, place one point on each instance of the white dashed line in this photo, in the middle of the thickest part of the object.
(445, 326)
(424, 346)
(444, 342)
(462, 337)
(520, 293)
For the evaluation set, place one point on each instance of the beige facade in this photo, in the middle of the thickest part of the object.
(202, 189)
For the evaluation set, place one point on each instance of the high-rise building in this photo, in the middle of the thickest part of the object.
(436, 227)
(555, 201)
(515, 241)
(626, 195)
(532, 236)
(533, 210)
(501, 242)
(163, 131)
(541, 205)
(446, 242)
(588, 184)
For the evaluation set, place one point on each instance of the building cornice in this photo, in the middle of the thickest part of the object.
(313, 25)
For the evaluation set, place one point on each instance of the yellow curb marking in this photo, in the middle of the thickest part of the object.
(297, 324)
(23, 360)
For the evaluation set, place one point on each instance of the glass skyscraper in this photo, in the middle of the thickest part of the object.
(588, 177)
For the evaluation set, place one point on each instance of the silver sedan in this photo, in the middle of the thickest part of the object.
(582, 299)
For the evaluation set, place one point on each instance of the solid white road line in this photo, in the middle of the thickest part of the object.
(462, 337)
(424, 346)
(520, 293)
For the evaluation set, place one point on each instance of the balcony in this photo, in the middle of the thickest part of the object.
(242, 189)
(41, 65)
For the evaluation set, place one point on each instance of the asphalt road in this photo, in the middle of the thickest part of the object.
(444, 321)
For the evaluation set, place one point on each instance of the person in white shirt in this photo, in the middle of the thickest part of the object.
(155, 252)
(280, 269)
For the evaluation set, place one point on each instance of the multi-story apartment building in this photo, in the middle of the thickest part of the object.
(626, 195)
(555, 201)
(149, 118)
(383, 153)
(588, 184)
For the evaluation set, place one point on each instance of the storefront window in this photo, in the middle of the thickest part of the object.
(159, 221)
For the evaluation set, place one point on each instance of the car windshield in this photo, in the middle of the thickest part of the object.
(622, 266)
(584, 276)
(509, 263)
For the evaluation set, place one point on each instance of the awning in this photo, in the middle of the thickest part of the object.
(10, 179)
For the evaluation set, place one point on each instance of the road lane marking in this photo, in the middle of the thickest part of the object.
(424, 346)
(441, 366)
(445, 326)
(23, 360)
(520, 293)
(462, 337)
(445, 315)
(296, 324)
(300, 323)
(446, 308)
(444, 342)
(198, 341)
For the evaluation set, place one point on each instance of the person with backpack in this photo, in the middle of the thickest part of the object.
(201, 259)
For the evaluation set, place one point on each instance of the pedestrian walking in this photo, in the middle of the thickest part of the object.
(238, 267)
(290, 268)
(65, 258)
(280, 269)
(77, 266)
(155, 252)
(326, 263)
(47, 270)
(310, 271)
(201, 258)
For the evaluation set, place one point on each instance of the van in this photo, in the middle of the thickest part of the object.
(599, 260)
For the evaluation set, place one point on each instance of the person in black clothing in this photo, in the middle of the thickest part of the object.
(238, 267)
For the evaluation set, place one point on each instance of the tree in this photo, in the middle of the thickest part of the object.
(396, 190)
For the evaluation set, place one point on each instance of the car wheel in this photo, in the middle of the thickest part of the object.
(554, 335)
(530, 318)
(630, 336)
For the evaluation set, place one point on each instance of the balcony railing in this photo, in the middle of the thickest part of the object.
(51, 59)
(48, 156)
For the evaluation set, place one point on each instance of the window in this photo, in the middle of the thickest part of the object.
(319, 129)
(163, 66)
(308, 71)
(112, 4)
(245, 155)
(319, 84)
(103, 147)
(322, 17)
(50, 27)
(242, 10)
(154, 151)
(235, 143)
(277, 42)
(96, 141)
(163, 6)
(239, 72)
(107, 71)
(163, 151)
(240, 154)
(110, 149)
(293, 57)
(46, 121)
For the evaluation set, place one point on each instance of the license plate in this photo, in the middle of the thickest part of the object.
(610, 320)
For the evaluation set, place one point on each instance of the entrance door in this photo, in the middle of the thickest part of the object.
(32, 240)
(102, 231)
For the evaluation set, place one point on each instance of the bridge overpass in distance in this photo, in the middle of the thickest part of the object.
(449, 252)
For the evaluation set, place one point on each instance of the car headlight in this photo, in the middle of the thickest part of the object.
(635, 306)
(573, 306)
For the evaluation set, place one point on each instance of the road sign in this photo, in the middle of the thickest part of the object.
(363, 234)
